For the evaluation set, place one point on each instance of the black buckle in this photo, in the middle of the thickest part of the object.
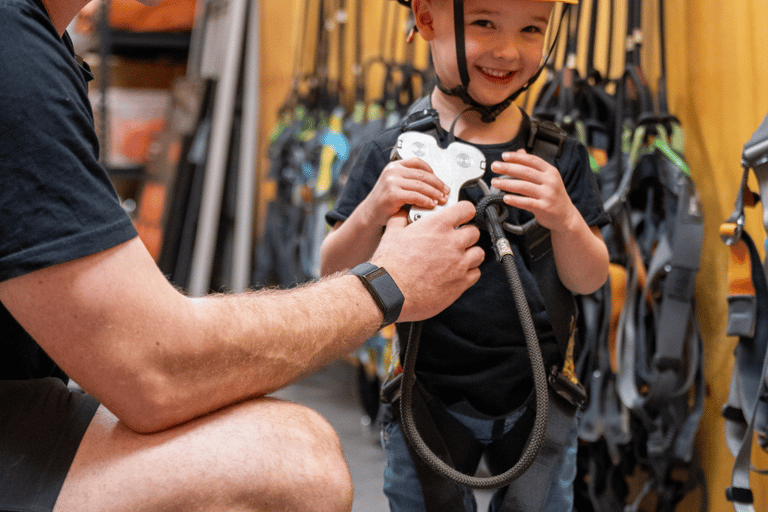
(574, 393)
(423, 121)
(739, 495)
(548, 132)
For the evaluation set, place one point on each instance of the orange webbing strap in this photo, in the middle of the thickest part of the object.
(740, 271)
(742, 305)
(171, 16)
(618, 276)
(741, 291)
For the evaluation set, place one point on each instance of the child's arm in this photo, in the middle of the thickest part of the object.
(580, 252)
(402, 182)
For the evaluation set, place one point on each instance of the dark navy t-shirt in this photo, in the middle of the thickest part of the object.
(475, 350)
(57, 203)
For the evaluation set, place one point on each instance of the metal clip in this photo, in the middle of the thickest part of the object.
(503, 248)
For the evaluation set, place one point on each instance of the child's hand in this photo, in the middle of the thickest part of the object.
(404, 182)
(537, 187)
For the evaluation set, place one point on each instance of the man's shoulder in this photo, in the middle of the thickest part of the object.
(27, 35)
(14, 11)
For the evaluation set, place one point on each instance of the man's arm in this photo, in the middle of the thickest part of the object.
(156, 358)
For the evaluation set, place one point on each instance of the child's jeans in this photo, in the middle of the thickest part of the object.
(401, 482)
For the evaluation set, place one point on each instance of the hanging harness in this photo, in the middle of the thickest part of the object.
(746, 412)
(443, 450)
(646, 396)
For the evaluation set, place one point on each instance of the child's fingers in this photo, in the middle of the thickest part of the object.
(521, 165)
(516, 171)
(520, 157)
(417, 169)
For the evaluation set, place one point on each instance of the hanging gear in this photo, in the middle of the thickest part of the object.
(746, 412)
(278, 252)
(643, 368)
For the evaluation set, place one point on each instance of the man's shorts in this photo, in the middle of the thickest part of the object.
(41, 425)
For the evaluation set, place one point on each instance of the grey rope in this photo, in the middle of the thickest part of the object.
(490, 216)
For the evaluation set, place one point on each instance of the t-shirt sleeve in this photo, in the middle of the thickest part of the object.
(372, 158)
(57, 203)
(581, 184)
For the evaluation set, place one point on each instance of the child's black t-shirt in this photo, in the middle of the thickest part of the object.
(475, 349)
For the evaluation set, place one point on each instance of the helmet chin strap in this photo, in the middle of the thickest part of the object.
(488, 113)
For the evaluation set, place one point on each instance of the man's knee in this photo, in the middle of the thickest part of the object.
(314, 474)
(263, 454)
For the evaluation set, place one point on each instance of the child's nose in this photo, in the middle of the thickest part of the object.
(507, 48)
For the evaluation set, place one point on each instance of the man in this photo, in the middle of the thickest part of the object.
(175, 417)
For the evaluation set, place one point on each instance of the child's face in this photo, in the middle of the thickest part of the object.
(504, 41)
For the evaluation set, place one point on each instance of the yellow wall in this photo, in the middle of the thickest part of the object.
(717, 52)
(718, 75)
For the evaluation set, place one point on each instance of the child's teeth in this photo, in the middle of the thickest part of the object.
(494, 72)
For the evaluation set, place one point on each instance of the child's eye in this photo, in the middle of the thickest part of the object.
(483, 23)
(532, 29)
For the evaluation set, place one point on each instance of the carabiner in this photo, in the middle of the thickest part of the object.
(515, 229)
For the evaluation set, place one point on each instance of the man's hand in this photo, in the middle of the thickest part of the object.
(433, 261)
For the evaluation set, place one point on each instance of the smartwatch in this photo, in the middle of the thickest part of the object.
(382, 288)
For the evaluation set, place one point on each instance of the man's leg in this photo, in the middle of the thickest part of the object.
(264, 454)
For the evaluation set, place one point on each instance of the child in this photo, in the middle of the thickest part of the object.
(472, 356)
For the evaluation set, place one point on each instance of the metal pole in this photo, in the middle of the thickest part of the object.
(213, 183)
(243, 236)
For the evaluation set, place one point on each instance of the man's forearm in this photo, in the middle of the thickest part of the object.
(251, 344)
(156, 358)
(275, 337)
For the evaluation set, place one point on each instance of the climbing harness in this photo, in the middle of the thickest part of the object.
(461, 164)
(746, 413)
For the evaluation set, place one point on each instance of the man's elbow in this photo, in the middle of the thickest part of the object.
(147, 405)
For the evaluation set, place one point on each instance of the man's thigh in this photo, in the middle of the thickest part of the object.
(263, 454)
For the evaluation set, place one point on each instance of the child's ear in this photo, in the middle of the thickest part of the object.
(423, 16)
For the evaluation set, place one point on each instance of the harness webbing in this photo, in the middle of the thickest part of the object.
(746, 412)
(745, 408)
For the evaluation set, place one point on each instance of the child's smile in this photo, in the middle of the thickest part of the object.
(497, 75)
